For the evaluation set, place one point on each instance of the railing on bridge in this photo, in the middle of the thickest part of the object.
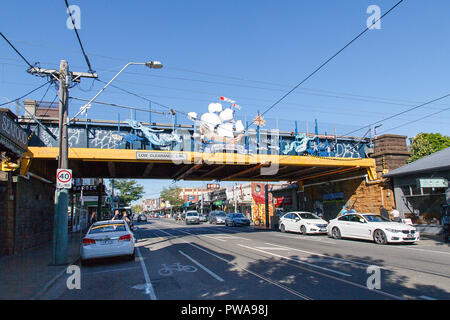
(131, 134)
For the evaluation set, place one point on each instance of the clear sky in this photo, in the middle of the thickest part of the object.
(250, 51)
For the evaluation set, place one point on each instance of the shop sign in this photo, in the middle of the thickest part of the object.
(432, 183)
(12, 131)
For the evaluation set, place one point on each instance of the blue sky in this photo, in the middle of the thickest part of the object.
(250, 51)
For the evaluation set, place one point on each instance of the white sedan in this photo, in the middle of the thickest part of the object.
(303, 222)
(370, 226)
(108, 239)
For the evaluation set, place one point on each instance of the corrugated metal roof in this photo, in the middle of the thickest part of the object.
(436, 161)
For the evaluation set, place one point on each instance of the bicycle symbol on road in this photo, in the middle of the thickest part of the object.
(167, 270)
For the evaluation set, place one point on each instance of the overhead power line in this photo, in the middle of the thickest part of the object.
(78, 37)
(329, 59)
(403, 112)
(26, 94)
(121, 106)
(417, 120)
(20, 55)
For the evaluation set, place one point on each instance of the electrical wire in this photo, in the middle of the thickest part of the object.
(23, 58)
(78, 37)
(417, 120)
(120, 106)
(26, 94)
(403, 112)
(328, 60)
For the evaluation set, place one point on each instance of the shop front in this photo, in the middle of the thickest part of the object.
(421, 190)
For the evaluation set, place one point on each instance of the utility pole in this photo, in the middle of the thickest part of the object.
(60, 234)
(60, 228)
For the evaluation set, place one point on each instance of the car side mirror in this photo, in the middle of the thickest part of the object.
(362, 221)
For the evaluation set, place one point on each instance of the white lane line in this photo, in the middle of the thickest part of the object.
(298, 294)
(202, 266)
(427, 298)
(106, 271)
(424, 250)
(148, 284)
(271, 248)
(324, 255)
(299, 261)
(391, 296)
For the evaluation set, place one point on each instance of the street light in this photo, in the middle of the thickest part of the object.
(149, 64)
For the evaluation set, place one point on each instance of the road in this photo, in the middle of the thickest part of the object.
(175, 261)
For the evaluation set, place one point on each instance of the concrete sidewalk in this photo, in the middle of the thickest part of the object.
(28, 274)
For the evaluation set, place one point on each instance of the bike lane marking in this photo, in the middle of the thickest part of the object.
(202, 266)
(296, 293)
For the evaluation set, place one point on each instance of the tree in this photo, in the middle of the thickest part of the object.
(424, 144)
(137, 208)
(172, 195)
(129, 190)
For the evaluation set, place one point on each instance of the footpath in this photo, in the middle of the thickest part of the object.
(28, 274)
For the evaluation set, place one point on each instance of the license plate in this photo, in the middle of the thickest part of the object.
(107, 242)
(323, 230)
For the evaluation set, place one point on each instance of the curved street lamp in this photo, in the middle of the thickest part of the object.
(149, 64)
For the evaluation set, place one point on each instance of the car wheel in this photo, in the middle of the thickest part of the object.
(282, 228)
(84, 262)
(132, 256)
(336, 233)
(379, 237)
(303, 230)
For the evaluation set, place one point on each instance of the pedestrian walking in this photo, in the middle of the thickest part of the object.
(384, 213)
(116, 215)
(93, 218)
(396, 215)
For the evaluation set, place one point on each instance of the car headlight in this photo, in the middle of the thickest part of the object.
(393, 230)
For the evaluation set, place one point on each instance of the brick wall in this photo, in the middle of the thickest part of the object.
(6, 215)
(34, 213)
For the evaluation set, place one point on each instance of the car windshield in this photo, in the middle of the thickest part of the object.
(376, 218)
(192, 214)
(107, 227)
(238, 215)
(308, 216)
(220, 214)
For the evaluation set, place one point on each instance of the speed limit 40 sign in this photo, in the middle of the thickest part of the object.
(63, 179)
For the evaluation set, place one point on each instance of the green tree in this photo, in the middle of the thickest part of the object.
(129, 190)
(137, 208)
(172, 195)
(424, 144)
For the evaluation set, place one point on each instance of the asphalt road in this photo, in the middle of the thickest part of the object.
(175, 261)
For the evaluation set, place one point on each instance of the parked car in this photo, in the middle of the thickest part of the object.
(108, 239)
(303, 222)
(236, 219)
(142, 217)
(371, 226)
(202, 218)
(217, 217)
(192, 217)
